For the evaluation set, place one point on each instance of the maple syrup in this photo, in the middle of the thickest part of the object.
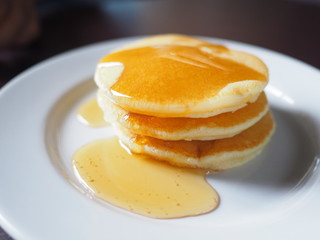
(142, 185)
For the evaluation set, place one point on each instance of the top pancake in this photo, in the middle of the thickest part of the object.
(178, 76)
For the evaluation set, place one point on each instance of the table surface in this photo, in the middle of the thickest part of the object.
(287, 27)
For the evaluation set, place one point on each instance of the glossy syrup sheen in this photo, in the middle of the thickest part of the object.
(173, 73)
(223, 120)
(142, 185)
(90, 114)
(243, 141)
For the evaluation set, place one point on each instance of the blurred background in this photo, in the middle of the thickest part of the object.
(34, 30)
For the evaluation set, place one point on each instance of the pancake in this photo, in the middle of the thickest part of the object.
(215, 155)
(220, 126)
(182, 40)
(163, 39)
(178, 76)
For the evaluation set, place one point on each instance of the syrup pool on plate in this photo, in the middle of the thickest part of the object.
(141, 184)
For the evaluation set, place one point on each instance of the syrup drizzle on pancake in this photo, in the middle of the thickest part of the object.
(171, 73)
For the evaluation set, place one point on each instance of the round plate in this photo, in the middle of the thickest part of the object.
(276, 194)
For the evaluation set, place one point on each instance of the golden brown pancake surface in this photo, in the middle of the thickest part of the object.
(218, 154)
(169, 74)
(219, 126)
(179, 80)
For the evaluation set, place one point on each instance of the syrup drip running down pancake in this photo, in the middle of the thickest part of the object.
(90, 114)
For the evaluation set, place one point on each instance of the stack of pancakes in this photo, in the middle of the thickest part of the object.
(186, 101)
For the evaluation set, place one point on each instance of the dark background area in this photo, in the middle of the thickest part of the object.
(289, 27)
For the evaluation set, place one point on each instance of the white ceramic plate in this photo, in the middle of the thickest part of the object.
(275, 196)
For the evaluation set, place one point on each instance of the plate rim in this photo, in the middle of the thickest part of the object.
(5, 223)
